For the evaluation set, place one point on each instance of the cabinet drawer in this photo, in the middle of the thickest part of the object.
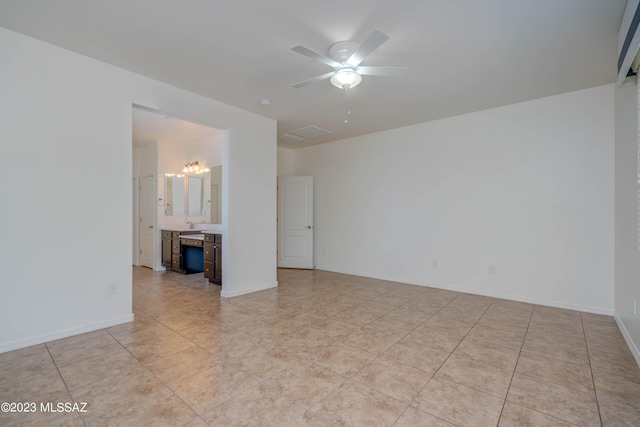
(175, 234)
(208, 253)
(175, 246)
(166, 234)
(192, 242)
(176, 262)
(208, 270)
(213, 238)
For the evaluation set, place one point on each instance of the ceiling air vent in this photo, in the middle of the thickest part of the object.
(287, 138)
(310, 132)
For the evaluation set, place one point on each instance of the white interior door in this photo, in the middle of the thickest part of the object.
(295, 222)
(146, 221)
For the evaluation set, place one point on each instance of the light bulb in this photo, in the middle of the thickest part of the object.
(346, 78)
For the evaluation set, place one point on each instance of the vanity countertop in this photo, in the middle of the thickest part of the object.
(192, 236)
(210, 229)
(180, 229)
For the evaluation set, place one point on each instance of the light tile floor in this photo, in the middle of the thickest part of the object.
(329, 349)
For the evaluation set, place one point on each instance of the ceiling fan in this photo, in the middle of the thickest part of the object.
(345, 58)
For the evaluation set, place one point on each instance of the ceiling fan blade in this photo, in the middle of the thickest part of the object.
(382, 71)
(372, 42)
(317, 56)
(314, 79)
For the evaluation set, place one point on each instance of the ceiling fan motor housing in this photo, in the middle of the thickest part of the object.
(342, 51)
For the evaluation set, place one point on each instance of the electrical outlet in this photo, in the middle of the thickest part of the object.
(492, 269)
(435, 263)
(112, 288)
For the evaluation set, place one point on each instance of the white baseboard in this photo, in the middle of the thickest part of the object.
(226, 294)
(627, 337)
(538, 301)
(52, 336)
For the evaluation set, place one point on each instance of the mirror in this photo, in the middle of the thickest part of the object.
(215, 196)
(198, 196)
(195, 194)
(174, 194)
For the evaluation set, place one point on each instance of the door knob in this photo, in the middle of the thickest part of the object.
(151, 226)
(308, 226)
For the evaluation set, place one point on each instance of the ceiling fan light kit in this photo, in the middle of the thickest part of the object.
(345, 58)
(346, 78)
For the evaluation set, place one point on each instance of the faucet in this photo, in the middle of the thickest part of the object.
(190, 224)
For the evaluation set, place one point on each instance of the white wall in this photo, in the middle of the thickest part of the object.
(627, 255)
(68, 117)
(136, 161)
(207, 151)
(285, 161)
(527, 188)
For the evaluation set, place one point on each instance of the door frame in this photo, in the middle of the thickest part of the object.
(137, 230)
(154, 222)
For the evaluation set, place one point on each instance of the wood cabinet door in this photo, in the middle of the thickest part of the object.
(217, 263)
(166, 252)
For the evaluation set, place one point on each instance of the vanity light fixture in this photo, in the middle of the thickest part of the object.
(194, 167)
(190, 167)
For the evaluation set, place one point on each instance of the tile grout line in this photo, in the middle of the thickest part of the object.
(198, 415)
(513, 374)
(168, 387)
(352, 377)
(451, 353)
(154, 375)
(593, 380)
(63, 381)
(544, 381)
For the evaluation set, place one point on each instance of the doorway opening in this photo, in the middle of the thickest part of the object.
(162, 145)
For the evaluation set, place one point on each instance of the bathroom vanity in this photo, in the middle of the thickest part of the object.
(193, 251)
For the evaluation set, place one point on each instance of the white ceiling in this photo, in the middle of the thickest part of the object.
(463, 55)
(149, 126)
